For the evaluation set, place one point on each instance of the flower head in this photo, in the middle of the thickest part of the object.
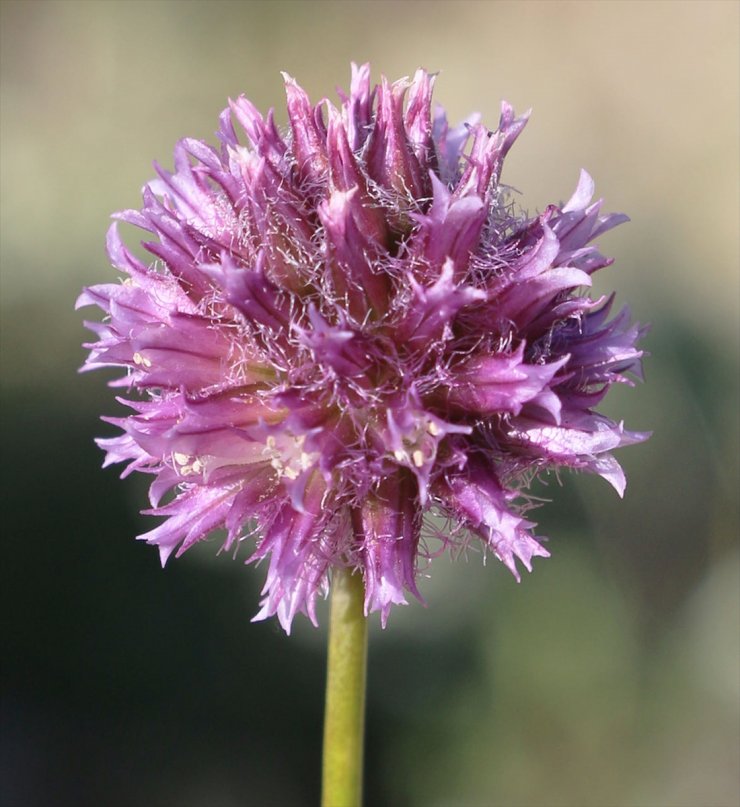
(346, 327)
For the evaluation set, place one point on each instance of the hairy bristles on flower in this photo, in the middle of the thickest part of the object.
(349, 326)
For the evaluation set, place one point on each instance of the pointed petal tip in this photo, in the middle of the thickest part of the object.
(582, 195)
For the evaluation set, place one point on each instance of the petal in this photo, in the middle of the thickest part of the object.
(477, 497)
(432, 309)
(387, 528)
(487, 384)
(299, 547)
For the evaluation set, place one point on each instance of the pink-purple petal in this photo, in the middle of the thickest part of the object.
(347, 325)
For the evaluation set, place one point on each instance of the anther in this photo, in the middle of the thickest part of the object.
(141, 361)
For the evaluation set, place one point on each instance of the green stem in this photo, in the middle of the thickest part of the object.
(344, 719)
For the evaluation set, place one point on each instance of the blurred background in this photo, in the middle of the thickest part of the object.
(610, 675)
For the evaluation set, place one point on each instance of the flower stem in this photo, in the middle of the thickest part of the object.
(344, 718)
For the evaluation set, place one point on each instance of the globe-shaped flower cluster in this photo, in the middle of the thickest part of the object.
(346, 327)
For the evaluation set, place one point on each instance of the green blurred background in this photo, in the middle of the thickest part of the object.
(610, 675)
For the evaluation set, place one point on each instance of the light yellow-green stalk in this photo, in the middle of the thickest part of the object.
(344, 719)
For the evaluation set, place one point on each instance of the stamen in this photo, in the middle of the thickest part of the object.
(288, 457)
(187, 465)
(141, 360)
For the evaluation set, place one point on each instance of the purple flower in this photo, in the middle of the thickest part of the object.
(346, 328)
